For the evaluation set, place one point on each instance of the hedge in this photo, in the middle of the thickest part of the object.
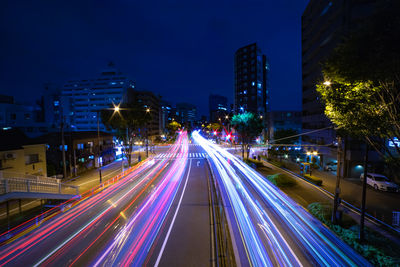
(377, 249)
(313, 180)
(281, 180)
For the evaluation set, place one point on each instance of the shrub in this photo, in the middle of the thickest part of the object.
(281, 180)
(257, 163)
(313, 180)
(378, 250)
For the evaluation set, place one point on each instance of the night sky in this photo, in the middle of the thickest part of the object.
(182, 50)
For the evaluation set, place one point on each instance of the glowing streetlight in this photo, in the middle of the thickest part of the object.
(327, 83)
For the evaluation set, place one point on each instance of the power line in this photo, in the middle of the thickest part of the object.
(297, 135)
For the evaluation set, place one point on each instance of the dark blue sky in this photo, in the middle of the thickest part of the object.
(180, 49)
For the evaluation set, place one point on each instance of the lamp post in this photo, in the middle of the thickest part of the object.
(147, 134)
(98, 141)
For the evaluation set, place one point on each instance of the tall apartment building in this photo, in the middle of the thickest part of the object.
(151, 103)
(324, 24)
(251, 72)
(166, 115)
(218, 106)
(186, 113)
(87, 96)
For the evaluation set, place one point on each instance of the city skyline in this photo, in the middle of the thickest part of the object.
(202, 48)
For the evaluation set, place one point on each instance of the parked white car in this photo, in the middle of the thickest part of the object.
(380, 182)
(331, 166)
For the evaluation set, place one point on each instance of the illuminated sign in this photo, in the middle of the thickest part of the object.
(394, 143)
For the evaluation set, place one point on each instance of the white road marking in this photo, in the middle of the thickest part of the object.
(173, 219)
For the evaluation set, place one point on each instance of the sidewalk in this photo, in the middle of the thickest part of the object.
(379, 204)
(305, 193)
(87, 180)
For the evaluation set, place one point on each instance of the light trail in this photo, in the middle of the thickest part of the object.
(65, 222)
(274, 229)
(133, 242)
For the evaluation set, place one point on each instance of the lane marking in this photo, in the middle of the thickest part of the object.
(173, 219)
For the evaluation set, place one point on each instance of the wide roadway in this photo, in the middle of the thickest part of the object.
(82, 234)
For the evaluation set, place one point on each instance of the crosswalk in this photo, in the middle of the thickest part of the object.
(180, 155)
(195, 145)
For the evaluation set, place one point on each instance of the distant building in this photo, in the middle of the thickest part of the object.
(218, 106)
(251, 72)
(19, 154)
(151, 103)
(324, 24)
(81, 151)
(166, 115)
(56, 108)
(26, 117)
(186, 113)
(284, 120)
(87, 96)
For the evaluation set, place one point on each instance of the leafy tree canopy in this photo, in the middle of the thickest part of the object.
(173, 127)
(363, 93)
(247, 125)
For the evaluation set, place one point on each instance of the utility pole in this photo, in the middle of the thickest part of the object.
(364, 191)
(63, 148)
(336, 199)
(147, 134)
(71, 148)
(98, 141)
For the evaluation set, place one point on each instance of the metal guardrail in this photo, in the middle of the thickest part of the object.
(35, 185)
(27, 226)
(222, 248)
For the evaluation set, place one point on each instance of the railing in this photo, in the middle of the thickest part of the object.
(31, 224)
(222, 248)
(14, 182)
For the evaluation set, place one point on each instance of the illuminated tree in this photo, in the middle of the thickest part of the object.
(248, 127)
(173, 127)
(361, 87)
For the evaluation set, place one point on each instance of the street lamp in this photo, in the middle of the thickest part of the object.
(98, 142)
(147, 134)
(327, 83)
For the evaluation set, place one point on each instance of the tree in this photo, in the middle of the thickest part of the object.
(126, 123)
(248, 127)
(172, 127)
(361, 91)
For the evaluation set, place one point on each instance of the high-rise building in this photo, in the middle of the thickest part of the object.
(186, 113)
(284, 120)
(166, 112)
(251, 72)
(87, 96)
(324, 24)
(151, 104)
(218, 106)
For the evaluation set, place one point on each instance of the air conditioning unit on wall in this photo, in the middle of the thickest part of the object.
(9, 156)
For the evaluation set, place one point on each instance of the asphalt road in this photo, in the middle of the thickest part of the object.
(269, 228)
(185, 239)
(154, 214)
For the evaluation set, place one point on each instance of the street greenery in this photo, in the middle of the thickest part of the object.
(378, 250)
(313, 180)
(127, 123)
(248, 126)
(173, 127)
(361, 86)
(281, 180)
